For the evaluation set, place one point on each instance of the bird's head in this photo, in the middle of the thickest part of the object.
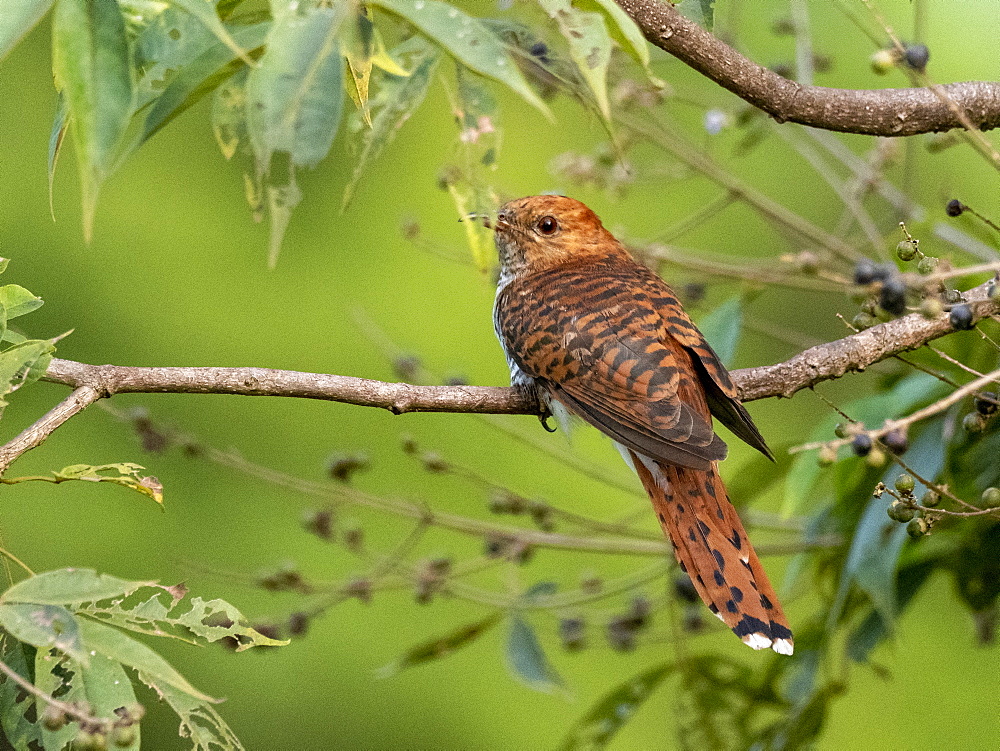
(540, 232)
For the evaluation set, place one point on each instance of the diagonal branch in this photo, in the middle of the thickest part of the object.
(874, 112)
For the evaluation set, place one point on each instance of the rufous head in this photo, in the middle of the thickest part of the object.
(539, 232)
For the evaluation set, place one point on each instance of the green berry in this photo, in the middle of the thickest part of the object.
(926, 265)
(930, 499)
(952, 296)
(863, 321)
(991, 498)
(53, 719)
(841, 430)
(905, 484)
(917, 527)
(883, 61)
(876, 458)
(906, 250)
(900, 513)
(827, 456)
(974, 423)
(931, 308)
(124, 736)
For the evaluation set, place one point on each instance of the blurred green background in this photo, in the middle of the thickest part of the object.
(177, 275)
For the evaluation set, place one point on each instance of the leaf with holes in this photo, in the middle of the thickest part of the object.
(589, 46)
(468, 40)
(126, 474)
(44, 627)
(17, 707)
(71, 585)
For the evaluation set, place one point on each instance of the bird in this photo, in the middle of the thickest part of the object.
(597, 335)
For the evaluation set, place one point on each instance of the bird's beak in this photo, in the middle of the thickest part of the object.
(487, 220)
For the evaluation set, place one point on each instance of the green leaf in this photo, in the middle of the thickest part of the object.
(527, 660)
(440, 646)
(722, 328)
(199, 76)
(17, 19)
(630, 31)
(17, 707)
(598, 727)
(91, 64)
(466, 39)
(199, 720)
(102, 684)
(126, 474)
(589, 46)
(204, 11)
(397, 99)
(702, 12)
(70, 585)
(17, 301)
(295, 95)
(229, 114)
(60, 123)
(23, 364)
(122, 648)
(196, 621)
(44, 626)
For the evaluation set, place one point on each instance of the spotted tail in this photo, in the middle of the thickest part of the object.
(713, 548)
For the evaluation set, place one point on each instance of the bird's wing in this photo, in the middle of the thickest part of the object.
(616, 365)
(720, 392)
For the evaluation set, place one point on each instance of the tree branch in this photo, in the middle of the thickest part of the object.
(876, 112)
(816, 364)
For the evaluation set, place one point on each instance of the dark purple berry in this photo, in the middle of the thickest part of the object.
(986, 403)
(892, 298)
(684, 588)
(954, 207)
(916, 56)
(861, 445)
(864, 272)
(961, 318)
(896, 441)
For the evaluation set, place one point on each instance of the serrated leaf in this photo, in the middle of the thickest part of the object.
(295, 94)
(91, 64)
(589, 46)
(598, 727)
(17, 301)
(70, 585)
(527, 660)
(17, 707)
(441, 646)
(199, 720)
(44, 626)
(122, 648)
(722, 328)
(17, 19)
(466, 39)
(630, 31)
(199, 76)
(702, 12)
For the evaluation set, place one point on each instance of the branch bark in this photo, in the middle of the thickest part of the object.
(816, 364)
(875, 112)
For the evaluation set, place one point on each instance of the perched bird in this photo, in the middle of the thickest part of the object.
(600, 336)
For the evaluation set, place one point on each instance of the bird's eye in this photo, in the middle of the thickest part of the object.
(547, 225)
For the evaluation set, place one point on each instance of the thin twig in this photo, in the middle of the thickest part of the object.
(84, 394)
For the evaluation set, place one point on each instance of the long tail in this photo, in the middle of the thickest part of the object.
(712, 546)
